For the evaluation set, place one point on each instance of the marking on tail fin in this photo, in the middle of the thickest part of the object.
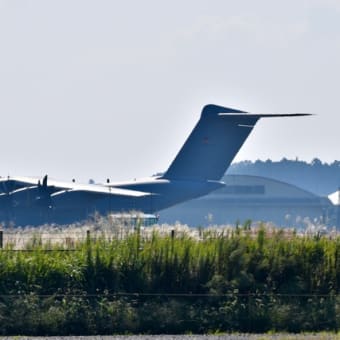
(244, 125)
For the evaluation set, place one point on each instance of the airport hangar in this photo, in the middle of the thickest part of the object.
(255, 198)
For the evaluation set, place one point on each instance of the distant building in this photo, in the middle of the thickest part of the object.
(335, 199)
(256, 198)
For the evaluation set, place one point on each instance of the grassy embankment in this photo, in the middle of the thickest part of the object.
(231, 281)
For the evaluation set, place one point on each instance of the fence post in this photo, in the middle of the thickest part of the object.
(1, 239)
(172, 240)
(88, 239)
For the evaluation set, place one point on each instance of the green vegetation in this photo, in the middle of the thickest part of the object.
(223, 282)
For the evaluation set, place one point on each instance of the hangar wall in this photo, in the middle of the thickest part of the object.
(255, 198)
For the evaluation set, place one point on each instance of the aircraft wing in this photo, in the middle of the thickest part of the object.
(10, 184)
(98, 190)
(26, 191)
(85, 195)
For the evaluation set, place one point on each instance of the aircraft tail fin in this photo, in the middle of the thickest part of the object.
(213, 143)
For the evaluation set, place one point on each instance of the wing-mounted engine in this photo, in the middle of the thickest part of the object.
(17, 193)
(8, 187)
(44, 192)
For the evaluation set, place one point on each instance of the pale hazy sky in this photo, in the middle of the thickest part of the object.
(97, 89)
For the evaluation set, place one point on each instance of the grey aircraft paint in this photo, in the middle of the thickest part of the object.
(196, 171)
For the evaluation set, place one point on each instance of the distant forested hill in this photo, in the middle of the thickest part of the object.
(317, 177)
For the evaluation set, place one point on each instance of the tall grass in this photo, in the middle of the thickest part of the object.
(245, 261)
(231, 279)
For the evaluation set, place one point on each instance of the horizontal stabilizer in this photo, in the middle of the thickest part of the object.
(216, 110)
(266, 115)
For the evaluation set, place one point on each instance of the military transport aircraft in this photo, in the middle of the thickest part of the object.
(195, 171)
